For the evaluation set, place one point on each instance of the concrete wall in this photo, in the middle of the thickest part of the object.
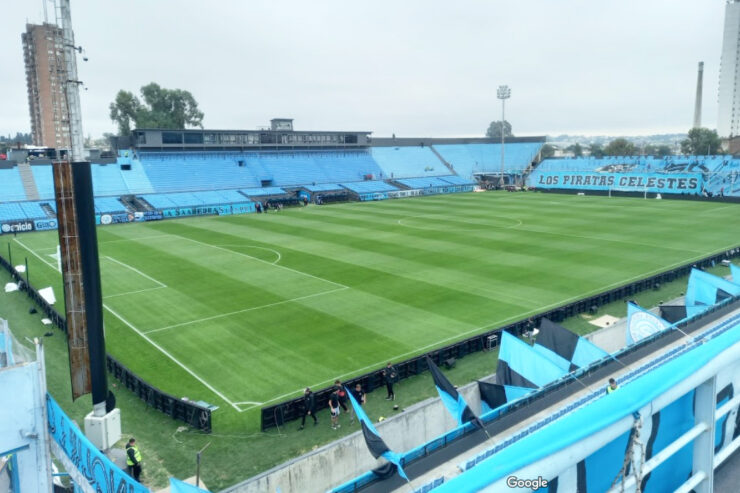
(348, 457)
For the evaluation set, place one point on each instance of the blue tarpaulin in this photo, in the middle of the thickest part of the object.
(177, 486)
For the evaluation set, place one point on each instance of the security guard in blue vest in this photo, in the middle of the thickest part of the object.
(612, 386)
(133, 459)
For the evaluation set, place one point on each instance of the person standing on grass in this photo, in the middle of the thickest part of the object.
(309, 407)
(359, 394)
(133, 459)
(390, 375)
(334, 408)
(342, 395)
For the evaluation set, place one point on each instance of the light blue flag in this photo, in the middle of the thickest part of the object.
(374, 443)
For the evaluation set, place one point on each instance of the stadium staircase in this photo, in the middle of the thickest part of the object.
(444, 161)
(29, 184)
(529, 169)
(48, 209)
(134, 203)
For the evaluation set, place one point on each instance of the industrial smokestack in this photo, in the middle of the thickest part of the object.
(697, 104)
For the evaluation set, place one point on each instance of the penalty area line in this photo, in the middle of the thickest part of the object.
(175, 360)
(161, 284)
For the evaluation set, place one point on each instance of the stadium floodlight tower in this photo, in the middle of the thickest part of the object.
(80, 265)
(503, 93)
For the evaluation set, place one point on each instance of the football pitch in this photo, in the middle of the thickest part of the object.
(245, 311)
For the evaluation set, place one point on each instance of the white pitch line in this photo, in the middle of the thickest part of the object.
(163, 351)
(260, 260)
(279, 257)
(223, 315)
(126, 322)
(161, 284)
(132, 292)
(134, 239)
(55, 267)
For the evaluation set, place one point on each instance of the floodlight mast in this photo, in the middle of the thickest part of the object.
(78, 244)
(72, 92)
(503, 93)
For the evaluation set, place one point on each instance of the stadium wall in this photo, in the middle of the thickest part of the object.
(339, 461)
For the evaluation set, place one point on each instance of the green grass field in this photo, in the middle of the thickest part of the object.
(245, 311)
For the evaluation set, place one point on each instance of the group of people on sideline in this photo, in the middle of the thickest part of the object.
(338, 398)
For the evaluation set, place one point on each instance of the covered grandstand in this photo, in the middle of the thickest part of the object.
(163, 170)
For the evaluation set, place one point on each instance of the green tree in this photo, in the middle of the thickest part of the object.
(620, 147)
(702, 141)
(548, 150)
(596, 150)
(576, 149)
(494, 130)
(159, 107)
(658, 150)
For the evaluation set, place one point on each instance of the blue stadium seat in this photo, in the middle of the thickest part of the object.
(33, 210)
(44, 178)
(107, 180)
(11, 211)
(263, 192)
(11, 187)
(109, 205)
(467, 159)
(326, 187)
(408, 162)
(369, 186)
(431, 181)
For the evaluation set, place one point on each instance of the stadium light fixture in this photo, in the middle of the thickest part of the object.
(503, 93)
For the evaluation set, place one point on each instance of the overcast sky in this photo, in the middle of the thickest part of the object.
(409, 67)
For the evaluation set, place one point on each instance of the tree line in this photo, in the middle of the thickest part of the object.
(699, 141)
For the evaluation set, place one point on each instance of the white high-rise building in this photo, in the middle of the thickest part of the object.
(728, 112)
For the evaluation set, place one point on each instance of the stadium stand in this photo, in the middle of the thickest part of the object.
(11, 211)
(369, 186)
(12, 186)
(109, 205)
(136, 179)
(290, 169)
(326, 187)
(408, 162)
(467, 159)
(717, 175)
(107, 180)
(457, 180)
(177, 172)
(263, 192)
(432, 181)
(348, 166)
(33, 210)
(44, 178)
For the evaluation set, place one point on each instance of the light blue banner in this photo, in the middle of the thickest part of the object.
(642, 323)
(100, 472)
(45, 224)
(629, 182)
